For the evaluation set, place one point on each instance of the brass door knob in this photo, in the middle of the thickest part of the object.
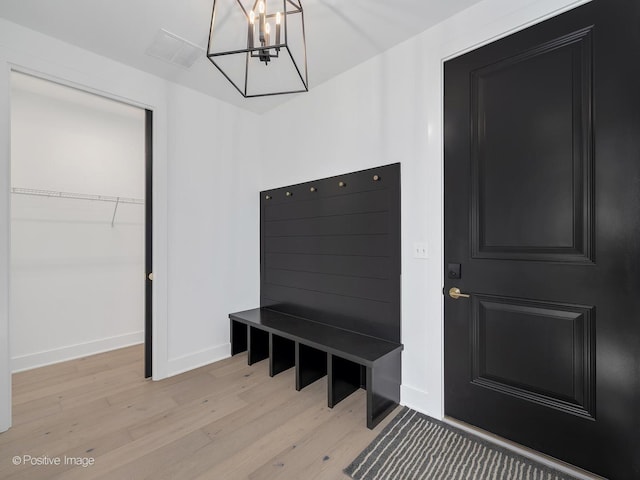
(454, 292)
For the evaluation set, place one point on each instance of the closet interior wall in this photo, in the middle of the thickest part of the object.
(77, 223)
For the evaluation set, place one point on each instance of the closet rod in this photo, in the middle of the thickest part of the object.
(76, 196)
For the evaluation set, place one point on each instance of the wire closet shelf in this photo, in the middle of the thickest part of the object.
(79, 196)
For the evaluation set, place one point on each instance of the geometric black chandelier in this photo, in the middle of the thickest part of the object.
(260, 46)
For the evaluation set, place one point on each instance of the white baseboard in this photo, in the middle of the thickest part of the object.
(70, 352)
(198, 359)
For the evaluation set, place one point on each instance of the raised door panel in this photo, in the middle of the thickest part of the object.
(531, 138)
(541, 352)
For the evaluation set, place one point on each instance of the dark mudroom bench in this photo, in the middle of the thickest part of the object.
(330, 287)
(350, 360)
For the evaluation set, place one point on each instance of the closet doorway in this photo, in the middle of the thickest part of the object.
(81, 223)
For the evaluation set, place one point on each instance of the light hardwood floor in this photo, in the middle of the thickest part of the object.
(225, 421)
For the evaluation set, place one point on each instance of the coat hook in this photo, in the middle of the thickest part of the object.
(289, 194)
(342, 184)
(313, 189)
(376, 178)
(267, 197)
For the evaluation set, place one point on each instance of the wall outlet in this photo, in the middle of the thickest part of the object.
(421, 250)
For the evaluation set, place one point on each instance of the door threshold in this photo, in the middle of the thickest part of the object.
(524, 451)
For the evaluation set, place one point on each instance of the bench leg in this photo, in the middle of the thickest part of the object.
(383, 388)
(282, 354)
(311, 365)
(238, 337)
(344, 379)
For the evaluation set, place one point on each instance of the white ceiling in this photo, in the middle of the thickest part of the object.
(340, 33)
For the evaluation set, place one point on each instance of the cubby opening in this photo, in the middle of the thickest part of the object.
(282, 354)
(311, 365)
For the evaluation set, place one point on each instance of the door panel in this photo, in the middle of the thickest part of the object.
(542, 190)
(531, 124)
(537, 351)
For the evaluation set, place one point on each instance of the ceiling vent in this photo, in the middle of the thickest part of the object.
(174, 49)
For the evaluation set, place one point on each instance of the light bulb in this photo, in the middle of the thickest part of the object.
(278, 18)
(267, 28)
(252, 17)
(261, 7)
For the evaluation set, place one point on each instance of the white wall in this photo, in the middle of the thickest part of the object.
(191, 158)
(387, 110)
(77, 282)
(214, 219)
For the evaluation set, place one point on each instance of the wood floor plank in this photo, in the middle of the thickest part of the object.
(37, 375)
(314, 445)
(244, 427)
(227, 420)
(258, 450)
(87, 431)
(60, 372)
(160, 459)
(104, 443)
(340, 454)
(73, 387)
(35, 409)
(32, 432)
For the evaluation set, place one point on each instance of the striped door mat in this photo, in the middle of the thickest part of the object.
(416, 447)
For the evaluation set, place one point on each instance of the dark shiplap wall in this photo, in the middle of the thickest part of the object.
(333, 255)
